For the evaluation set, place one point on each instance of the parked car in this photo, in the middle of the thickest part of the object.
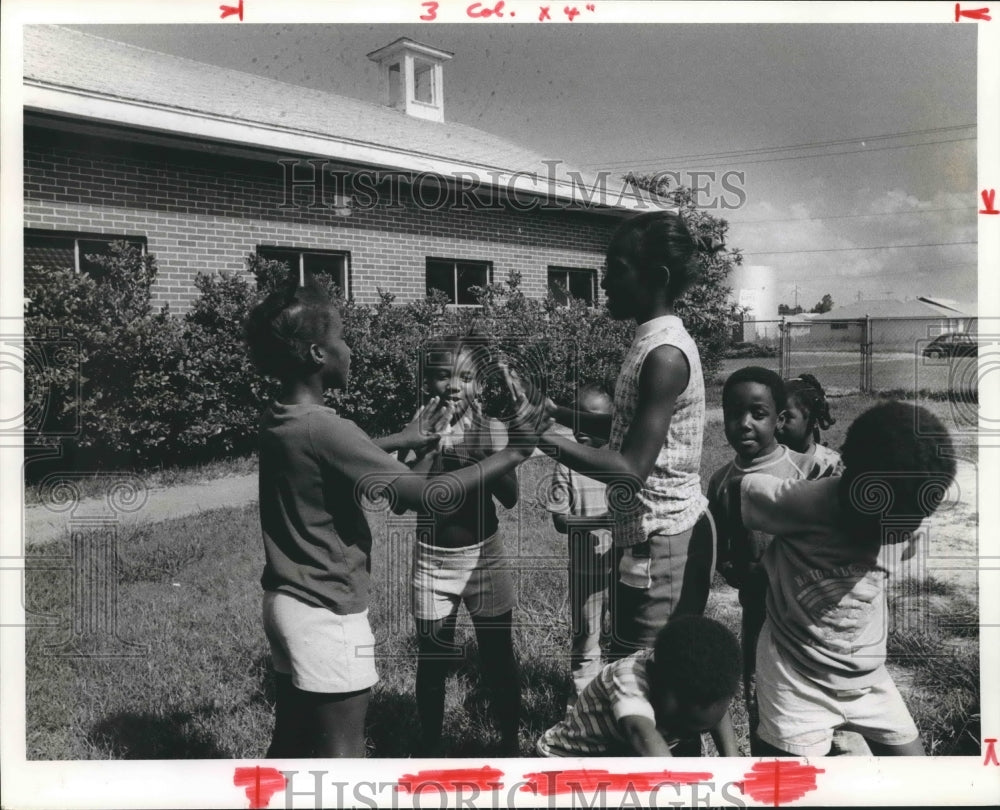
(952, 344)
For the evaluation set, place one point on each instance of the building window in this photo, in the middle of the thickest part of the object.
(61, 250)
(456, 278)
(423, 82)
(839, 326)
(572, 281)
(305, 265)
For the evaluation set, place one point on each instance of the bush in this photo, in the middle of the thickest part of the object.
(157, 390)
(749, 350)
(129, 361)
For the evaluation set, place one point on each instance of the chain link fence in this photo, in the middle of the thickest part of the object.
(911, 355)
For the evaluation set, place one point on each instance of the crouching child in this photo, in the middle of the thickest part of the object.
(657, 702)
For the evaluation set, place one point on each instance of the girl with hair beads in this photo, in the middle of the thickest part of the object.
(806, 413)
(315, 467)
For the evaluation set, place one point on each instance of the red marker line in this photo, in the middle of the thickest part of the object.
(779, 782)
(485, 778)
(972, 13)
(989, 196)
(228, 11)
(547, 783)
(260, 783)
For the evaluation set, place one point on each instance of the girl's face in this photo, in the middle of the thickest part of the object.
(794, 432)
(455, 384)
(336, 354)
(622, 282)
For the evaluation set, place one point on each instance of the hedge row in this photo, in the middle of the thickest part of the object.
(148, 388)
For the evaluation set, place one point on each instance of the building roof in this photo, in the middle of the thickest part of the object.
(889, 308)
(84, 77)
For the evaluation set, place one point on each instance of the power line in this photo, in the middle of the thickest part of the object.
(839, 250)
(849, 216)
(829, 154)
(766, 149)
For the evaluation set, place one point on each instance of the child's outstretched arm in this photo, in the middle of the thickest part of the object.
(724, 737)
(594, 424)
(663, 377)
(642, 737)
(419, 435)
(409, 490)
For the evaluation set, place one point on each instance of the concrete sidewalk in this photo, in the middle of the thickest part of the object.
(42, 523)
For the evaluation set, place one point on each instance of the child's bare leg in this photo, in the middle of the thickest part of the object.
(339, 723)
(494, 635)
(286, 741)
(436, 653)
(910, 749)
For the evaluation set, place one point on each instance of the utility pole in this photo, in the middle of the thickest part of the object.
(796, 296)
(858, 296)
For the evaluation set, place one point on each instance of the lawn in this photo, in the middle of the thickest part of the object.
(198, 685)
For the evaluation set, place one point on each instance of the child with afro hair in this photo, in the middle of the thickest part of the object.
(821, 654)
(657, 702)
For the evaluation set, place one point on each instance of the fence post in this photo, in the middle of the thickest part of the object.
(866, 355)
(782, 349)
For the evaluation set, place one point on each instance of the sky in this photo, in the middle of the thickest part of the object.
(882, 117)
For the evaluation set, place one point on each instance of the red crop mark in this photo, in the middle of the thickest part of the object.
(485, 778)
(260, 783)
(972, 13)
(547, 783)
(989, 196)
(779, 782)
(991, 751)
(228, 11)
(543, 13)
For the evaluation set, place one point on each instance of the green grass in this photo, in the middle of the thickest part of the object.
(188, 591)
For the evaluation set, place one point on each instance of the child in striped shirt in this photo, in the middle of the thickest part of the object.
(657, 702)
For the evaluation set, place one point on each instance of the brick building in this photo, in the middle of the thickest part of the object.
(203, 165)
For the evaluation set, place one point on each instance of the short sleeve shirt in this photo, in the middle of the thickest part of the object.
(826, 594)
(317, 542)
(590, 727)
(781, 463)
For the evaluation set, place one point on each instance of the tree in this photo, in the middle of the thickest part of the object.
(825, 304)
(707, 308)
(784, 309)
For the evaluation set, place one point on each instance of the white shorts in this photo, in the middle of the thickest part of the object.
(322, 650)
(799, 715)
(476, 575)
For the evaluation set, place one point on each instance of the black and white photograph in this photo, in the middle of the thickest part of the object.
(459, 405)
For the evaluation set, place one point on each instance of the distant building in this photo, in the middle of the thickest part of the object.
(202, 165)
(895, 325)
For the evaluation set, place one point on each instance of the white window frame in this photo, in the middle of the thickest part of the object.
(77, 237)
(303, 252)
(566, 269)
(488, 265)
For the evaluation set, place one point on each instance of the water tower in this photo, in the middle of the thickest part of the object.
(754, 288)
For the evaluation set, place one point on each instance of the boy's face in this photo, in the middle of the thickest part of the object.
(591, 402)
(455, 384)
(751, 419)
(336, 354)
(688, 720)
